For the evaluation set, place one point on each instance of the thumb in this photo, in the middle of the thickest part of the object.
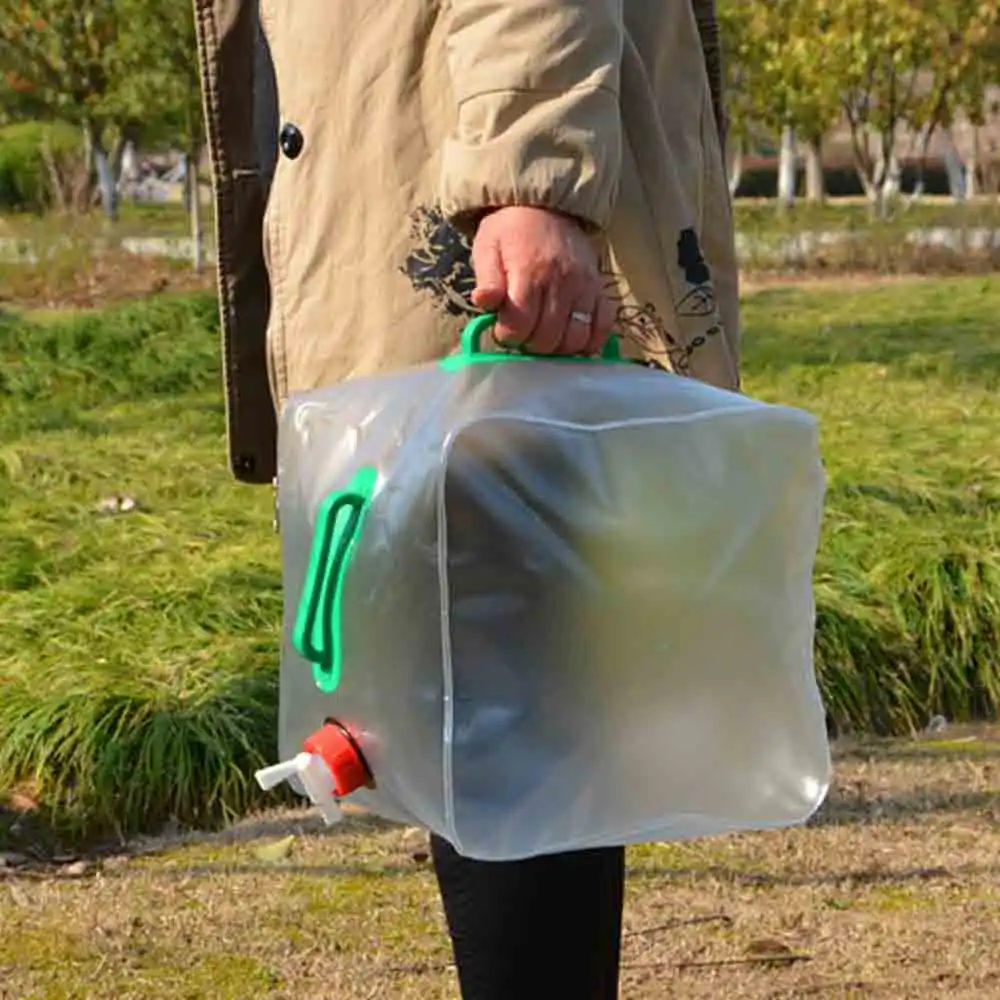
(491, 278)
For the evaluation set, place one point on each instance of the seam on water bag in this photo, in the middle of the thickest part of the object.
(752, 407)
(472, 353)
(317, 633)
(447, 674)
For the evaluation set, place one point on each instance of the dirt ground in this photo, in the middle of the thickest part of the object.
(759, 281)
(80, 280)
(892, 891)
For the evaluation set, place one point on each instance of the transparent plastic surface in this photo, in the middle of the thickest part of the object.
(579, 611)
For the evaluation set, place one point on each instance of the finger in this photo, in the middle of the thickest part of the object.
(603, 325)
(553, 320)
(580, 326)
(491, 276)
(487, 299)
(518, 316)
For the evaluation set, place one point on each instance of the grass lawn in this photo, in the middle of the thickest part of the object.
(137, 684)
(160, 621)
(904, 377)
(138, 649)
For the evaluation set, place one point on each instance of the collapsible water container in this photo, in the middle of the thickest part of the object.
(537, 605)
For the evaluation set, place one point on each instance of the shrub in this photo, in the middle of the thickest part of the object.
(25, 185)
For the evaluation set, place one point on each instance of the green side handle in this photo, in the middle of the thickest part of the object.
(472, 352)
(317, 633)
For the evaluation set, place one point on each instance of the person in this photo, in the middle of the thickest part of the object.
(384, 171)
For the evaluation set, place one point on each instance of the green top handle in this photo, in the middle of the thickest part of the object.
(471, 351)
(317, 631)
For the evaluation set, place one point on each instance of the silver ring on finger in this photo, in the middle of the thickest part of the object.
(582, 317)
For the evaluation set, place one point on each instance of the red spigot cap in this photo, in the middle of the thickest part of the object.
(342, 756)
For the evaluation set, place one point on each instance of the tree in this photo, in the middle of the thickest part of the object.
(963, 79)
(902, 64)
(111, 67)
(61, 55)
(16, 101)
(159, 58)
(780, 74)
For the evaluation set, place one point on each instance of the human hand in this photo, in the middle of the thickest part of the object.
(539, 272)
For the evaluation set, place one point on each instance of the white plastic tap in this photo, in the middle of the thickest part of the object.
(311, 770)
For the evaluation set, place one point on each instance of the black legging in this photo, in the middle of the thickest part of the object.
(547, 928)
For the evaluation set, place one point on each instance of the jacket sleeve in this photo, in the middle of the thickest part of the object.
(536, 86)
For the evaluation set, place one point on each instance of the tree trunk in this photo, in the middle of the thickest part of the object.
(83, 197)
(186, 187)
(786, 169)
(105, 176)
(57, 186)
(862, 159)
(106, 183)
(88, 148)
(972, 167)
(891, 179)
(194, 197)
(954, 168)
(118, 159)
(815, 182)
(736, 168)
(870, 169)
(874, 174)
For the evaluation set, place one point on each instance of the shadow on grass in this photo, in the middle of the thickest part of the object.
(34, 835)
(943, 333)
(737, 874)
(845, 809)
(907, 501)
(244, 868)
(857, 876)
(843, 877)
(845, 806)
(29, 833)
(943, 750)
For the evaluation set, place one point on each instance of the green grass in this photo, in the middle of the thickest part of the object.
(138, 651)
(904, 379)
(134, 219)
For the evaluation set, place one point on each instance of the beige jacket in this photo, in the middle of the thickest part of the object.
(354, 142)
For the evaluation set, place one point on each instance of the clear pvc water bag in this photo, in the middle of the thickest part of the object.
(535, 605)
